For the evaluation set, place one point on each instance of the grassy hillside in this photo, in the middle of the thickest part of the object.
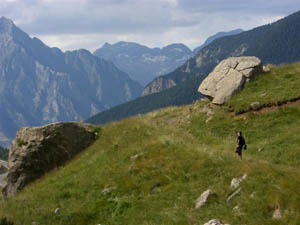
(150, 169)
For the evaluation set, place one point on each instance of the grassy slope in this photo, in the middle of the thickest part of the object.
(157, 165)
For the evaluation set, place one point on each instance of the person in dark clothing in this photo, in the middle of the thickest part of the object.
(240, 144)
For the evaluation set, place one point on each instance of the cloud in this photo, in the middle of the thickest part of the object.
(73, 24)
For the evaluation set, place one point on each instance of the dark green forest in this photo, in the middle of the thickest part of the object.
(3, 153)
(183, 94)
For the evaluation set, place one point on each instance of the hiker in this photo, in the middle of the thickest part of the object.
(240, 144)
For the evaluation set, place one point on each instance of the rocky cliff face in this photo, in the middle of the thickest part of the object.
(273, 43)
(143, 64)
(40, 85)
(37, 150)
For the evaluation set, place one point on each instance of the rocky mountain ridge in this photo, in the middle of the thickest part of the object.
(40, 85)
(142, 63)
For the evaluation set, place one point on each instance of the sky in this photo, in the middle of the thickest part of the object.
(76, 24)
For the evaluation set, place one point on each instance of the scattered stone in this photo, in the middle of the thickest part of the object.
(233, 195)
(215, 222)
(107, 190)
(266, 68)
(244, 177)
(254, 104)
(202, 200)
(229, 77)
(208, 119)
(277, 214)
(135, 157)
(56, 210)
(236, 208)
(37, 150)
(263, 94)
(260, 149)
(235, 182)
(252, 195)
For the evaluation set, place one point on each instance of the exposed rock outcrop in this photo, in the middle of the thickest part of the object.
(229, 77)
(157, 85)
(37, 150)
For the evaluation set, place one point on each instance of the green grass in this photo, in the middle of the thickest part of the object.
(157, 165)
(279, 85)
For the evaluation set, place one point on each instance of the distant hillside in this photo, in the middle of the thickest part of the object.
(151, 169)
(274, 43)
(41, 85)
(215, 36)
(143, 64)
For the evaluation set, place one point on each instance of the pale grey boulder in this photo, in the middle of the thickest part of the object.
(229, 77)
(37, 150)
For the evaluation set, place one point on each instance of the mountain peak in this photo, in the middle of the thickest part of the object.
(6, 25)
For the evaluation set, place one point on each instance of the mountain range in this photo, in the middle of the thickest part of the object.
(274, 43)
(142, 63)
(40, 85)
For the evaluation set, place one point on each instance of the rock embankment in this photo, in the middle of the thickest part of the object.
(229, 77)
(37, 150)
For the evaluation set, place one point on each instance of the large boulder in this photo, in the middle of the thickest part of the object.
(37, 150)
(229, 77)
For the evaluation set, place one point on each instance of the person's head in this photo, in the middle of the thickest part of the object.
(239, 133)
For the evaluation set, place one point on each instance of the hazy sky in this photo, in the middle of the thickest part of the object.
(74, 24)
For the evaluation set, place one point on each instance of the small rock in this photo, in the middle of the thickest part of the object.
(260, 149)
(202, 200)
(208, 119)
(277, 214)
(215, 222)
(134, 157)
(235, 183)
(236, 208)
(254, 104)
(233, 195)
(266, 68)
(56, 210)
(252, 195)
(107, 190)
